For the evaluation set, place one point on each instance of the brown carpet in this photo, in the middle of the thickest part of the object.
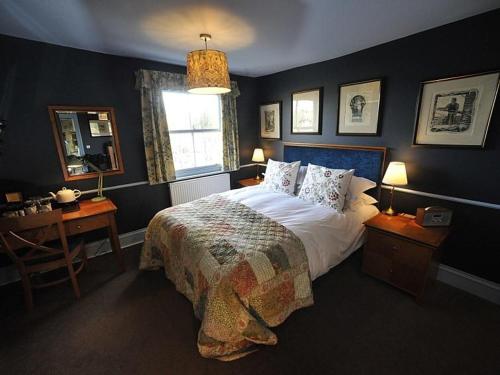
(136, 323)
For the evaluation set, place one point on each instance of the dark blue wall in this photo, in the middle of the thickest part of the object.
(42, 75)
(463, 47)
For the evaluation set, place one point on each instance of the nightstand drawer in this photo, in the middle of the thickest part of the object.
(377, 264)
(400, 262)
(399, 250)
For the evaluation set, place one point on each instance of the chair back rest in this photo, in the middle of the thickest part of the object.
(32, 231)
(22, 223)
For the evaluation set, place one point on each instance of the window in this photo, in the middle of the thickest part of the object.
(195, 128)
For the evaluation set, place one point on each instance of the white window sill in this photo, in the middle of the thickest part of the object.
(190, 177)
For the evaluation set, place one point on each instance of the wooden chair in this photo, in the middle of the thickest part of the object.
(23, 238)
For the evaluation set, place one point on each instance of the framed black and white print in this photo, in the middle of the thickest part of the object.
(307, 111)
(270, 120)
(359, 108)
(456, 112)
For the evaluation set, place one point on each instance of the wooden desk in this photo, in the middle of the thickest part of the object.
(92, 216)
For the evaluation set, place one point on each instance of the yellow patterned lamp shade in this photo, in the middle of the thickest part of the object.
(207, 72)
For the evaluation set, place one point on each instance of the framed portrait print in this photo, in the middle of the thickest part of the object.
(270, 120)
(456, 112)
(359, 108)
(307, 111)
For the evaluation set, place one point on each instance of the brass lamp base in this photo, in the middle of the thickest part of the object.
(98, 199)
(257, 178)
(389, 212)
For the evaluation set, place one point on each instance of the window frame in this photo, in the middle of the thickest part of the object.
(201, 170)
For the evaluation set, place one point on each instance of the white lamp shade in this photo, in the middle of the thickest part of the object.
(395, 174)
(258, 155)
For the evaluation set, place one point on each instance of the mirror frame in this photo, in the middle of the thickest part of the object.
(60, 150)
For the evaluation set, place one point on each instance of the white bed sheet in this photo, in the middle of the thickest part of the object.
(328, 237)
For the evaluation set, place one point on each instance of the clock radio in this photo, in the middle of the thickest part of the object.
(433, 216)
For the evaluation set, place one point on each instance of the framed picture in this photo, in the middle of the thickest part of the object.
(456, 112)
(100, 128)
(307, 111)
(270, 120)
(359, 108)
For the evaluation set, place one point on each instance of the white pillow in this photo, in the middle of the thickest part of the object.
(367, 199)
(326, 186)
(363, 200)
(281, 176)
(300, 178)
(359, 185)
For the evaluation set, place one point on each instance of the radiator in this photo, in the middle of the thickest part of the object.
(189, 190)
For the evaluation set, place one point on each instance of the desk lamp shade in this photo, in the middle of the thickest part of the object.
(394, 175)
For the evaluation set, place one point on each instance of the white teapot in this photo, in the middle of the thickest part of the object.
(66, 195)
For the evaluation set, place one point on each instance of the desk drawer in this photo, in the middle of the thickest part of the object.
(87, 224)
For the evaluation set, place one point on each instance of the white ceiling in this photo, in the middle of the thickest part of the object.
(259, 36)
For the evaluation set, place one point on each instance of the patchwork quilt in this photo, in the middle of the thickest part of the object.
(242, 271)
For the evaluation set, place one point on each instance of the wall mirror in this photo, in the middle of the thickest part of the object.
(87, 141)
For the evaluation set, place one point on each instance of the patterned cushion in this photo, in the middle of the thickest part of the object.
(281, 176)
(326, 186)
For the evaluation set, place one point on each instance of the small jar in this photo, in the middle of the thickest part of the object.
(44, 205)
(30, 207)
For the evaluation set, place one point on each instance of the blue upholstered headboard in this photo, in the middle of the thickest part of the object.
(367, 161)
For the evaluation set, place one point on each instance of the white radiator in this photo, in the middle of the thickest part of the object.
(189, 190)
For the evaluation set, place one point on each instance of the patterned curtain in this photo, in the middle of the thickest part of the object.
(230, 140)
(159, 159)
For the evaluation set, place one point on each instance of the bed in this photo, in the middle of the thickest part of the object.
(246, 258)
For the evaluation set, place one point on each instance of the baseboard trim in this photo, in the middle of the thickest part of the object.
(472, 284)
(9, 274)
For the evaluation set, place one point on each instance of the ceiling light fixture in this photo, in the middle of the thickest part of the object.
(207, 70)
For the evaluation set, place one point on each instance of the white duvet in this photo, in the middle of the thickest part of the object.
(328, 237)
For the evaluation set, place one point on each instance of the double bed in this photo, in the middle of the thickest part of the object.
(246, 258)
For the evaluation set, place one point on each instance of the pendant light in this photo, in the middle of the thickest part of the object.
(207, 71)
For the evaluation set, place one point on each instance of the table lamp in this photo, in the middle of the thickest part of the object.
(394, 175)
(99, 197)
(79, 161)
(258, 157)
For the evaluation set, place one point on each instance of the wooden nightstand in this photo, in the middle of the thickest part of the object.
(401, 252)
(250, 182)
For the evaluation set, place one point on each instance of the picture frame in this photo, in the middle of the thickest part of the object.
(271, 120)
(100, 128)
(359, 108)
(307, 111)
(456, 111)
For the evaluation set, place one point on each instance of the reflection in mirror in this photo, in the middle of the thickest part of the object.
(87, 141)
